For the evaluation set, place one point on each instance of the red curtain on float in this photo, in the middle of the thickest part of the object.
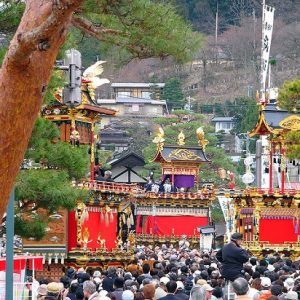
(166, 225)
(95, 226)
(277, 231)
(72, 230)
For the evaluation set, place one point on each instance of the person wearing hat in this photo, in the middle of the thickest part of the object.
(161, 291)
(289, 283)
(41, 292)
(233, 256)
(291, 295)
(53, 290)
(208, 292)
(171, 290)
(265, 292)
(180, 292)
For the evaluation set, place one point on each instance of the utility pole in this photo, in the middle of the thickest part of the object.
(216, 33)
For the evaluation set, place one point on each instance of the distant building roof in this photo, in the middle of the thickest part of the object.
(128, 158)
(223, 119)
(136, 85)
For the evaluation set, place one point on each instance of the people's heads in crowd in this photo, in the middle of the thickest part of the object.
(127, 295)
(171, 286)
(118, 282)
(89, 288)
(265, 283)
(149, 291)
(240, 286)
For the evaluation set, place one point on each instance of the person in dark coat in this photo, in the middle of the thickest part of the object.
(108, 281)
(232, 257)
(171, 289)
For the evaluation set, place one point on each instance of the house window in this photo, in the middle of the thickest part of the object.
(135, 107)
(123, 94)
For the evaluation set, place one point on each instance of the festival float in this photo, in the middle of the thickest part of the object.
(268, 215)
(160, 214)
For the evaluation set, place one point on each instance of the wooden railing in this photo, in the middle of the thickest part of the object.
(135, 190)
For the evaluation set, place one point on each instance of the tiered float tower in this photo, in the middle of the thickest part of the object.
(268, 215)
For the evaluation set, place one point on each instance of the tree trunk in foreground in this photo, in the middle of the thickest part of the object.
(24, 76)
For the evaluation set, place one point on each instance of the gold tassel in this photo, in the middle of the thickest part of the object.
(128, 223)
(106, 219)
(131, 219)
(84, 215)
(101, 216)
(111, 216)
(124, 218)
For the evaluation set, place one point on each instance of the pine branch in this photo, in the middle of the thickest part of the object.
(96, 31)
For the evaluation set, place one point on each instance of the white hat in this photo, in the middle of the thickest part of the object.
(127, 295)
(271, 268)
(196, 273)
(103, 293)
(214, 265)
(164, 280)
(289, 282)
(291, 295)
(180, 285)
(97, 274)
(265, 282)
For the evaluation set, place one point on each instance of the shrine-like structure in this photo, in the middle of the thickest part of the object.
(268, 215)
(179, 199)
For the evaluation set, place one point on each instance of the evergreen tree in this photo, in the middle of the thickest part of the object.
(173, 93)
(140, 28)
(45, 182)
(289, 96)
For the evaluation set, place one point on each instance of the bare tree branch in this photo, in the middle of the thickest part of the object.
(38, 38)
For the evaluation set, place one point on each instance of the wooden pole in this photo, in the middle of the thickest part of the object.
(271, 169)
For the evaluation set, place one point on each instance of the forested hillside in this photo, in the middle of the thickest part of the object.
(227, 67)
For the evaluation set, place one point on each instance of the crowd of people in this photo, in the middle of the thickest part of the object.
(180, 273)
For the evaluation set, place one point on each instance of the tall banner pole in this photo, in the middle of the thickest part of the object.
(267, 30)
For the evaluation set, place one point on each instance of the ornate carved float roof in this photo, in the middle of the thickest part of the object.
(272, 118)
(181, 154)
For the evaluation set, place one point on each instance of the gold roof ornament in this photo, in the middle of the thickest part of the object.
(159, 138)
(201, 139)
(181, 138)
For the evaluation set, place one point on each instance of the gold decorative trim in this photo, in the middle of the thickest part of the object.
(291, 123)
(183, 154)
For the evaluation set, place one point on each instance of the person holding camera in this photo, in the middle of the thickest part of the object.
(233, 256)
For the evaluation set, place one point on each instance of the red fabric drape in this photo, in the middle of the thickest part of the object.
(38, 264)
(277, 231)
(72, 230)
(95, 226)
(20, 263)
(164, 225)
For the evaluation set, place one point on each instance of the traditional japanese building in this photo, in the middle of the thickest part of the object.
(268, 215)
